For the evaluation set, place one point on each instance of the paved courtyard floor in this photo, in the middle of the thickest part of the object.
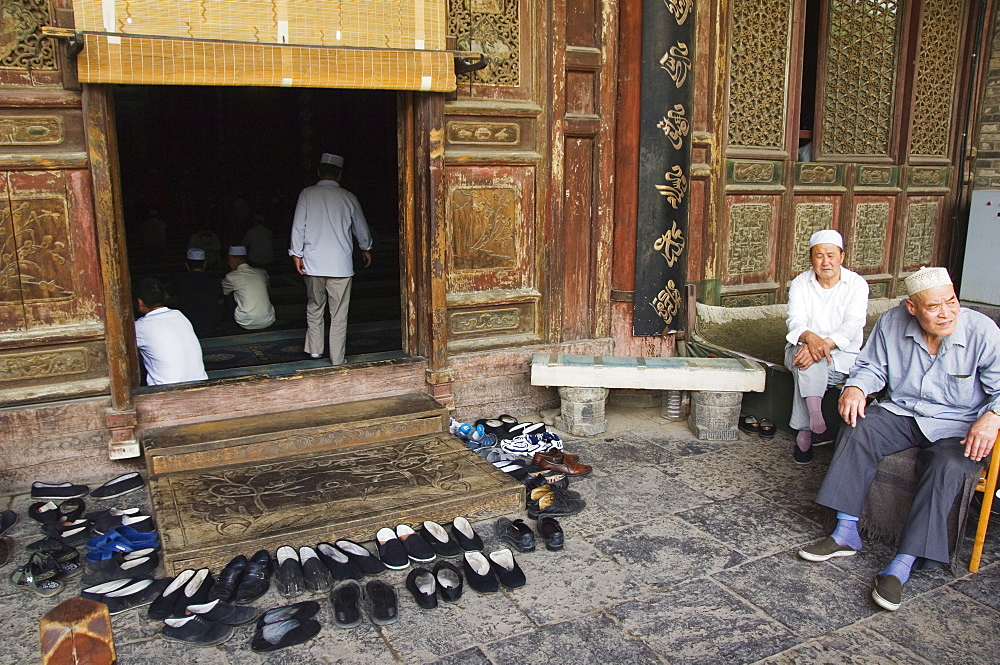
(685, 554)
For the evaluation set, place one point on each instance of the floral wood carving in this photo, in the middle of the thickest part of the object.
(482, 221)
(940, 32)
(749, 231)
(921, 223)
(870, 223)
(809, 218)
(38, 365)
(21, 44)
(491, 27)
(757, 76)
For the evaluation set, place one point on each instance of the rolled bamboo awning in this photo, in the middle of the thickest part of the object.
(373, 44)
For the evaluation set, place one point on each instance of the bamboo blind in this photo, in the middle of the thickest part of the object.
(375, 44)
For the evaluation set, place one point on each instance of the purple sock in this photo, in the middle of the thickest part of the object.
(816, 422)
(804, 440)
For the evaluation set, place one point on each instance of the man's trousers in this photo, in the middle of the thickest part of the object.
(336, 291)
(811, 382)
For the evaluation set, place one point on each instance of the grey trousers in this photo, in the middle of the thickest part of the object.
(811, 382)
(941, 468)
(336, 291)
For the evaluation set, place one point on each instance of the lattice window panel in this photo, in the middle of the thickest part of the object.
(492, 27)
(21, 43)
(758, 72)
(940, 32)
(861, 55)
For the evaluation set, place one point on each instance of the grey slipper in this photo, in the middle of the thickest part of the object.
(888, 592)
(826, 549)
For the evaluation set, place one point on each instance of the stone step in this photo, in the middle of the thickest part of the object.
(274, 436)
(206, 516)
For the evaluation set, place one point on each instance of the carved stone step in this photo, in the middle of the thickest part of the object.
(207, 516)
(276, 436)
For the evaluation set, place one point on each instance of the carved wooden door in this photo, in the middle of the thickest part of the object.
(876, 102)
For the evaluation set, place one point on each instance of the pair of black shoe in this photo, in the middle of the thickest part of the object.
(518, 535)
(425, 585)
(244, 580)
(301, 570)
(207, 624)
(396, 548)
(486, 574)
(190, 587)
(286, 626)
(125, 594)
(379, 597)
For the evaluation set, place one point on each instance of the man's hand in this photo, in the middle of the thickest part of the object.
(803, 357)
(852, 405)
(819, 347)
(297, 260)
(366, 257)
(983, 433)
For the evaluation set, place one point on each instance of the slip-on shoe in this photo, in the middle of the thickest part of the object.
(422, 584)
(304, 609)
(449, 581)
(362, 558)
(346, 602)
(888, 592)
(135, 594)
(218, 611)
(123, 484)
(314, 572)
(467, 538)
(106, 520)
(506, 569)
(8, 518)
(479, 573)
(288, 574)
(274, 636)
(118, 567)
(391, 550)
(551, 533)
(163, 605)
(195, 592)
(196, 631)
(71, 510)
(767, 429)
(439, 540)
(826, 549)
(340, 565)
(57, 491)
(749, 425)
(256, 578)
(229, 579)
(44, 512)
(517, 534)
(383, 605)
(97, 591)
(417, 549)
(6, 547)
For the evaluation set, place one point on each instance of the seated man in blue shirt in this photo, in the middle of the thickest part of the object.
(940, 364)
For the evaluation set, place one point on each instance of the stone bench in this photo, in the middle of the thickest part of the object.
(717, 386)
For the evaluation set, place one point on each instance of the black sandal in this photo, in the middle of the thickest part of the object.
(40, 574)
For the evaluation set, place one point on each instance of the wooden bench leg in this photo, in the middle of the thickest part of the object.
(77, 632)
(582, 411)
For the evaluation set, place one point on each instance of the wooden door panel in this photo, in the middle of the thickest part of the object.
(921, 236)
(751, 237)
(11, 301)
(869, 234)
(51, 217)
(811, 214)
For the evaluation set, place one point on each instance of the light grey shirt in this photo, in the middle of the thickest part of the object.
(253, 304)
(945, 393)
(325, 217)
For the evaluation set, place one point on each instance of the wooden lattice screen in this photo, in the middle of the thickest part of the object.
(382, 44)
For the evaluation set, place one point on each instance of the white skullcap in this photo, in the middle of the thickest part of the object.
(926, 278)
(195, 254)
(329, 158)
(237, 250)
(826, 236)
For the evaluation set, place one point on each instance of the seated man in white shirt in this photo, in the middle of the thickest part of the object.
(165, 338)
(253, 309)
(827, 307)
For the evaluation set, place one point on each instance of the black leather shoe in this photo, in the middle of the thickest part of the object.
(229, 579)
(479, 573)
(517, 534)
(346, 602)
(506, 569)
(256, 579)
(314, 571)
(362, 558)
(449, 581)
(467, 538)
(288, 575)
(423, 585)
(551, 533)
(339, 564)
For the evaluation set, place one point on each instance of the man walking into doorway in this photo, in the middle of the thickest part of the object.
(325, 217)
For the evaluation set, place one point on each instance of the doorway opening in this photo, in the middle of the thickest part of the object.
(200, 165)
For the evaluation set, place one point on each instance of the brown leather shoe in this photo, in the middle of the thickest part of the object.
(560, 463)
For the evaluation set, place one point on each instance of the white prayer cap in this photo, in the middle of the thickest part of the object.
(329, 158)
(926, 278)
(237, 250)
(826, 236)
(195, 254)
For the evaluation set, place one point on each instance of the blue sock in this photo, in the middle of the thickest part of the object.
(846, 532)
(900, 567)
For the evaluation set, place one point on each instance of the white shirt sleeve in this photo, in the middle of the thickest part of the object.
(798, 311)
(298, 228)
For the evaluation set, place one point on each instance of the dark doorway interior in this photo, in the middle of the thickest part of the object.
(214, 158)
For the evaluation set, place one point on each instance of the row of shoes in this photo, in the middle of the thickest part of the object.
(123, 484)
(504, 434)
(751, 426)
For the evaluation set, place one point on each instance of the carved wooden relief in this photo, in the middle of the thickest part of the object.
(819, 175)
(490, 213)
(53, 372)
(747, 299)
(21, 44)
(11, 302)
(809, 218)
(492, 27)
(921, 224)
(743, 172)
(860, 77)
(43, 364)
(934, 94)
(757, 73)
(878, 176)
(749, 233)
(868, 246)
(878, 290)
(31, 130)
(483, 133)
(928, 177)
